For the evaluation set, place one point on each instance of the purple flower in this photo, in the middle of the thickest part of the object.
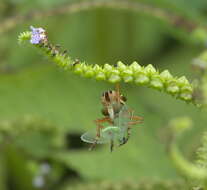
(38, 35)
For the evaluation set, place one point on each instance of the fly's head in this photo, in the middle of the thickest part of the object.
(112, 102)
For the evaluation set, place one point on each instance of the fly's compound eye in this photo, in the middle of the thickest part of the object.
(123, 98)
(105, 112)
(106, 96)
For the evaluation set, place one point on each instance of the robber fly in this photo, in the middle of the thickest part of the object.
(119, 117)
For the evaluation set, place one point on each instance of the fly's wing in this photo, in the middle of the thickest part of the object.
(90, 137)
(123, 118)
(122, 121)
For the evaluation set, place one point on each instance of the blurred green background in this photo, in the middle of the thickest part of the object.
(44, 110)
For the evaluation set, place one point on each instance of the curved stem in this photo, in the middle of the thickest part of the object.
(171, 18)
(185, 167)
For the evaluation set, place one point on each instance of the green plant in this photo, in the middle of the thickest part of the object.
(64, 99)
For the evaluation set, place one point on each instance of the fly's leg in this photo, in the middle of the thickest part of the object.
(135, 117)
(112, 146)
(98, 129)
(117, 89)
(98, 122)
(125, 139)
(134, 120)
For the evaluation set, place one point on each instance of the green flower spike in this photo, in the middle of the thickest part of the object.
(134, 73)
